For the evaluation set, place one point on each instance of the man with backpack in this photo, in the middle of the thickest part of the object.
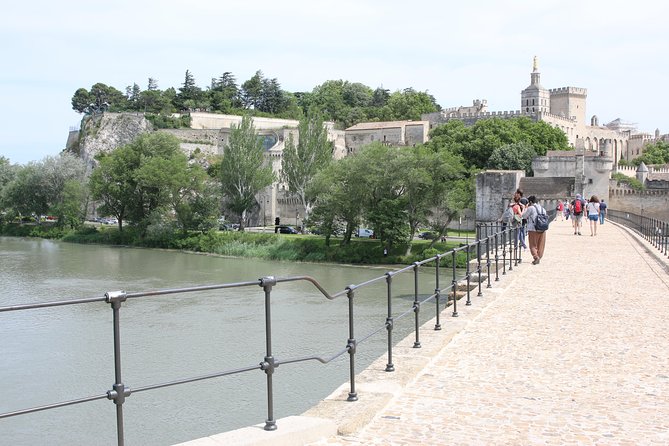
(577, 207)
(537, 225)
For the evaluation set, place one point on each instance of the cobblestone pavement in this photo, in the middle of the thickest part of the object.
(573, 351)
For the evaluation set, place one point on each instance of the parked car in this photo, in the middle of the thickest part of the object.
(287, 230)
(364, 233)
(427, 235)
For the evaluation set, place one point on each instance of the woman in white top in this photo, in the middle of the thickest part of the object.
(593, 214)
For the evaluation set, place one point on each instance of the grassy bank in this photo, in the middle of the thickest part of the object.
(269, 246)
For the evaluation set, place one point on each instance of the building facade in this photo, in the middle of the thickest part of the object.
(564, 108)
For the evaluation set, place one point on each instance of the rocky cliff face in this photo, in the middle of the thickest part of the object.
(107, 131)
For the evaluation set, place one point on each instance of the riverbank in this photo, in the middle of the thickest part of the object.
(267, 246)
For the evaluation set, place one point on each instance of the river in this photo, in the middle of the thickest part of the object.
(65, 353)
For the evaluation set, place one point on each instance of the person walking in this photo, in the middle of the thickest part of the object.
(559, 209)
(577, 207)
(602, 211)
(593, 214)
(536, 238)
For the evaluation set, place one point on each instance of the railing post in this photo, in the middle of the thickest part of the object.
(512, 253)
(468, 273)
(478, 264)
(487, 259)
(496, 259)
(454, 285)
(351, 344)
(437, 294)
(503, 235)
(119, 392)
(416, 304)
(389, 324)
(268, 364)
(517, 247)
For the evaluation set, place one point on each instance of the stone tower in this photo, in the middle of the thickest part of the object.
(570, 103)
(535, 98)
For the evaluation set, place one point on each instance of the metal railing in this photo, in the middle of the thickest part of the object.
(652, 229)
(495, 251)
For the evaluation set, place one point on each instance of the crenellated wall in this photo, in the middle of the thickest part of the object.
(649, 203)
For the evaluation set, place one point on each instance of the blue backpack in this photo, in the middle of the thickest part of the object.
(541, 221)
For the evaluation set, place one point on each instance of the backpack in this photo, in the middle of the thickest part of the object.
(578, 207)
(541, 221)
(507, 216)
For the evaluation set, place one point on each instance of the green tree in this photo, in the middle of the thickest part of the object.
(411, 104)
(302, 161)
(190, 96)
(39, 188)
(135, 180)
(244, 171)
(252, 91)
(336, 189)
(476, 143)
(23, 195)
(516, 156)
(654, 154)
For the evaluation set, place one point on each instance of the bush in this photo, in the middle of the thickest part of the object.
(629, 181)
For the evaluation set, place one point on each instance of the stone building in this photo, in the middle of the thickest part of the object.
(392, 133)
(209, 134)
(563, 108)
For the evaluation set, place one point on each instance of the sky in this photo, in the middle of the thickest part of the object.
(456, 51)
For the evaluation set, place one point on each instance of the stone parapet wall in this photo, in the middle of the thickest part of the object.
(494, 188)
(649, 203)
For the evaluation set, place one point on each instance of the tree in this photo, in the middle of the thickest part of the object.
(152, 84)
(476, 143)
(244, 172)
(411, 104)
(47, 186)
(303, 161)
(224, 93)
(654, 154)
(100, 98)
(135, 180)
(516, 156)
(190, 96)
(336, 189)
(252, 91)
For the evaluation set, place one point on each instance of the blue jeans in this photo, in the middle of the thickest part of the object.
(601, 218)
(521, 236)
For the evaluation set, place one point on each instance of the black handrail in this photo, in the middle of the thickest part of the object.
(654, 230)
(491, 237)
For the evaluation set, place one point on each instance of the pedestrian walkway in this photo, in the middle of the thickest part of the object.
(572, 351)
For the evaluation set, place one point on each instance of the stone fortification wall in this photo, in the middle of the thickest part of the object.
(72, 144)
(494, 188)
(595, 171)
(201, 120)
(355, 139)
(207, 141)
(415, 134)
(437, 118)
(649, 203)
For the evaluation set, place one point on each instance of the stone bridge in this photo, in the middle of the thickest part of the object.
(574, 350)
